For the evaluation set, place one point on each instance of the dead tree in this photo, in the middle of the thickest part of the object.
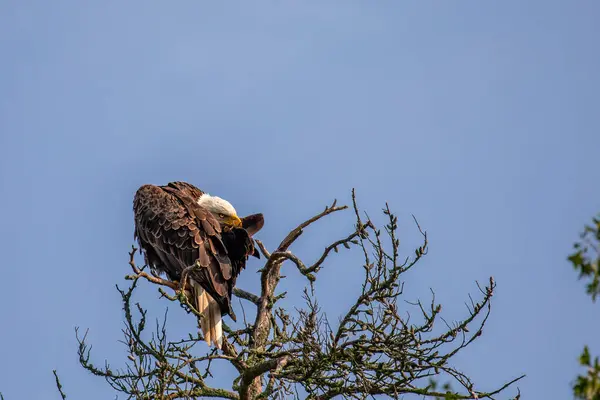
(374, 348)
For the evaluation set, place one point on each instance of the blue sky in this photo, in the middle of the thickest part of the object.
(481, 119)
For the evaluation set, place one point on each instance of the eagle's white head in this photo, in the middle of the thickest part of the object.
(221, 209)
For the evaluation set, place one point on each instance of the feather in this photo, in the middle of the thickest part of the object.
(202, 306)
(253, 223)
(208, 228)
(210, 316)
(216, 324)
(203, 258)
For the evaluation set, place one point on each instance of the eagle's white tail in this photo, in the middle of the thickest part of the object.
(210, 321)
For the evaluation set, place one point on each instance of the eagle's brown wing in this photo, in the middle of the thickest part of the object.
(253, 223)
(175, 232)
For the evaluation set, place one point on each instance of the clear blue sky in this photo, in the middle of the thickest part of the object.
(481, 118)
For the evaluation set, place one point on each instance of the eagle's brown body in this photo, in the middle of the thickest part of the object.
(175, 232)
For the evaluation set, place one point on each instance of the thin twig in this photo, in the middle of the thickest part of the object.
(58, 386)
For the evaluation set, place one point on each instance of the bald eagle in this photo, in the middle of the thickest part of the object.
(177, 226)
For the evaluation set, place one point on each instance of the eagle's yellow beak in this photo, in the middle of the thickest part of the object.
(234, 220)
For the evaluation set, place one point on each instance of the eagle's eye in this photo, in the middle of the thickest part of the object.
(221, 215)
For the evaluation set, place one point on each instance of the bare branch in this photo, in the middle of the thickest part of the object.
(295, 233)
(242, 294)
(263, 249)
